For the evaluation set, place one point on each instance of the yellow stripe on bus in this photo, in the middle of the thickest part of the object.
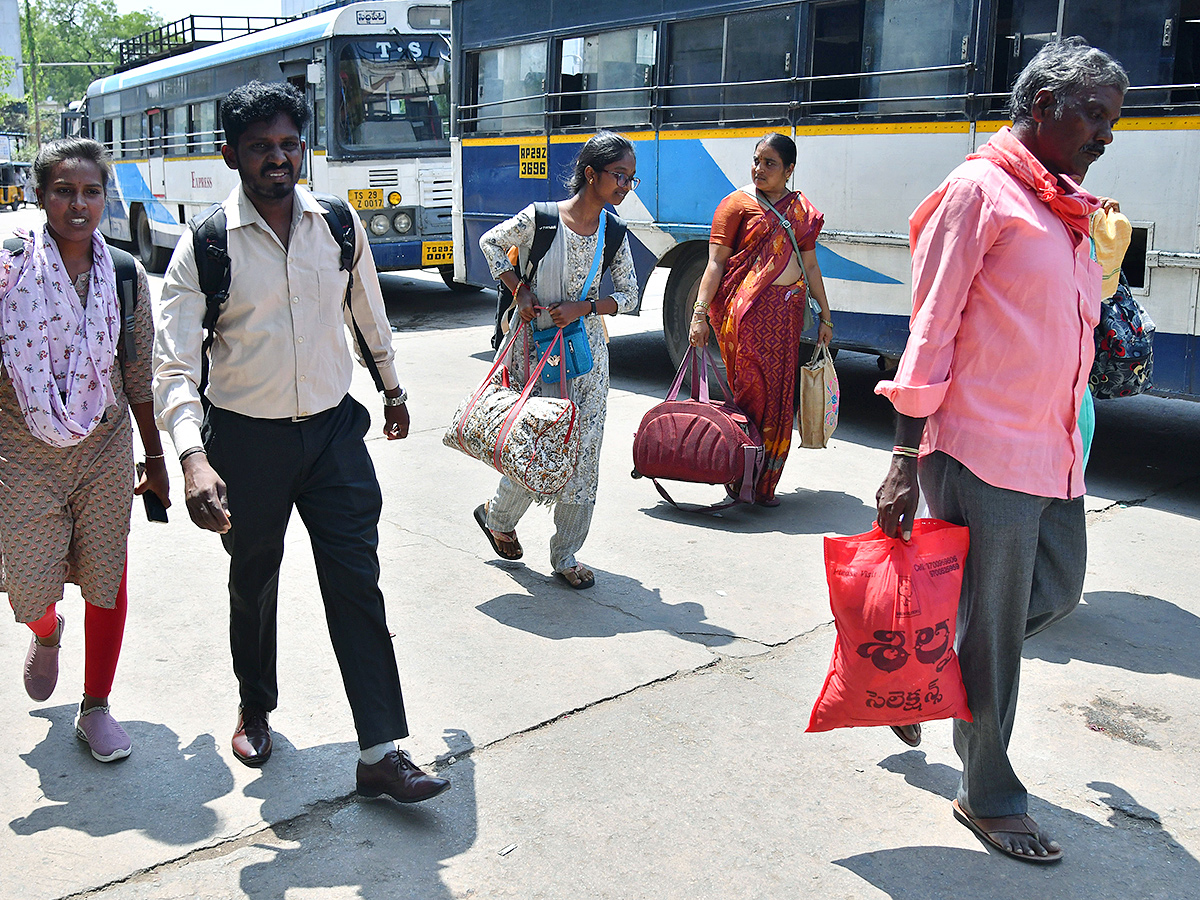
(1166, 123)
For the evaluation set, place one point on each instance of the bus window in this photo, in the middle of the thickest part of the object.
(929, 34)
(132, 130)
(837, 49)
(695, 55)
(177, 138)
(394, 95)
(1140, 35)
(760, 46)
(593, 71)
(756, 46)
(1186, 69)
(510, 88)
(1023, 27)
(156, 132)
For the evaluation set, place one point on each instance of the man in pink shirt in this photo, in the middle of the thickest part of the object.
(987, 396)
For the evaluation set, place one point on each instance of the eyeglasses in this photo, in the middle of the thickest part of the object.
(623, 180)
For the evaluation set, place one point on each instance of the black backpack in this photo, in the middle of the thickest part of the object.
(127, 293)
(210, 242)
(545, 227)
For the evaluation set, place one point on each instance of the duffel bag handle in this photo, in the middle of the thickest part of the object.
(699, 359)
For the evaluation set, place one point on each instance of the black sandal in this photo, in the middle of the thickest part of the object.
(513, 547)
(582, 584)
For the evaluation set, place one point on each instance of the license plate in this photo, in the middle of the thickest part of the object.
(437, 253)
(370, 198)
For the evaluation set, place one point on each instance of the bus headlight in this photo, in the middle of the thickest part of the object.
(403, 223)
(379, 225)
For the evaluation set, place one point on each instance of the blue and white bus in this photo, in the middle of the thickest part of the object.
(883, 99)
(377, 77)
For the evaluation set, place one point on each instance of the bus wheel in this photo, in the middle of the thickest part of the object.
(447, 273)
(679, 298)
(154, 258)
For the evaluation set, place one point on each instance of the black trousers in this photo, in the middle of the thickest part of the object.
(321, 467)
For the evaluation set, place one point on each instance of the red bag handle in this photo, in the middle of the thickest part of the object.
(699, 360)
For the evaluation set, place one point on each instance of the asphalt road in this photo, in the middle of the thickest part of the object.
(643, 739)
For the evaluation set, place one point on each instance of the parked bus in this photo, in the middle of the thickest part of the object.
(377, 77)
(883, 99)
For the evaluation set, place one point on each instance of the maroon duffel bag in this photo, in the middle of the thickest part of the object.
(698, 439)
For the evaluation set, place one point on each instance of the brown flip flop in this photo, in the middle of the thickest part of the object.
(985, 828)
(511, 549)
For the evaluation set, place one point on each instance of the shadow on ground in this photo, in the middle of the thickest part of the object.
(617, 604)
(799, 512)
(1100, 860)
(161, 790)
(1134, 632)
(380, 849)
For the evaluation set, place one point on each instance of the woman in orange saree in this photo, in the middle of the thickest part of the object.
(753, 292)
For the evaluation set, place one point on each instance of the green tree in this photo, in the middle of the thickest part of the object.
(78, 31)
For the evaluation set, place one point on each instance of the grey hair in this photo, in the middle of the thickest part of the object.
(71, 148)
(1064, 68)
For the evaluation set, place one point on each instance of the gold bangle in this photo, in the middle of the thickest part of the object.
(827, 324)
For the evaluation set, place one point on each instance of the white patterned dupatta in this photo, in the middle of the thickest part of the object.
(58, 352)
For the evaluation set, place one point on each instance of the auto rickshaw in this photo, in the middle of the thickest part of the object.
(13, 177)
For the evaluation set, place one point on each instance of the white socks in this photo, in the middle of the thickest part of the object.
(371, 755)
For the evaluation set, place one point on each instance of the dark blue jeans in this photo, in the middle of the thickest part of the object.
(321, 467)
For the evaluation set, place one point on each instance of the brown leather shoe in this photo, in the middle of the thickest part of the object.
(398, 777)
(252, 740)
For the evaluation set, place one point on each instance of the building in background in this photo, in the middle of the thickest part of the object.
(10, 46)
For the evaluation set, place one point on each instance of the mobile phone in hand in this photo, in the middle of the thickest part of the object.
(155, 511)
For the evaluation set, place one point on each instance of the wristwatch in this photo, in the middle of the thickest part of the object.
(396, 401)
(593, 302)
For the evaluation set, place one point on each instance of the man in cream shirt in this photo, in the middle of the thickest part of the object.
(281, 431)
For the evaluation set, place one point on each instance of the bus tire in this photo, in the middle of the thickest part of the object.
(447, 273)
(154, 258)
(679, 298)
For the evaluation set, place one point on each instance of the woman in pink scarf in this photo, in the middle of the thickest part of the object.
(69, 379)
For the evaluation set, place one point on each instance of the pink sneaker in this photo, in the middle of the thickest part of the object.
(103, 734)
(41, 666)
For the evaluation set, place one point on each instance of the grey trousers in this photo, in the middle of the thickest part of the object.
(1024, 571)
(572, 521)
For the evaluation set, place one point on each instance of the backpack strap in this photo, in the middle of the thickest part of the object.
(210, 244)
(126, 270)
(545, 227)
(614, 233)
(127, 291)
(340, 219)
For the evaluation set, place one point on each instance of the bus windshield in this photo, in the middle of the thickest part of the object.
(393, 95)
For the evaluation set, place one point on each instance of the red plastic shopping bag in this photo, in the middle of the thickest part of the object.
(894, 605)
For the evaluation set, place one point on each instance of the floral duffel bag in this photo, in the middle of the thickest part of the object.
(532, 440)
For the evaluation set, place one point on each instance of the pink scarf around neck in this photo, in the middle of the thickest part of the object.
(58, 352)
(1072, 204)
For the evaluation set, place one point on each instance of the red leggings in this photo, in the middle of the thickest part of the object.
(103, 630)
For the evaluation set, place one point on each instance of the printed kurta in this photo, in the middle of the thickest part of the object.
(64, 512)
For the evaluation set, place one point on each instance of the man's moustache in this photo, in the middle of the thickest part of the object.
(1097, 149)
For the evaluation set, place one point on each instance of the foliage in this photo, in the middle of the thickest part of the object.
(78, 31)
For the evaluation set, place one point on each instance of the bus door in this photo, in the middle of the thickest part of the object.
(157, 154)
(295, 72)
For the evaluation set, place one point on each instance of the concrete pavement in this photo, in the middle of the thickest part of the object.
(643, 739)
